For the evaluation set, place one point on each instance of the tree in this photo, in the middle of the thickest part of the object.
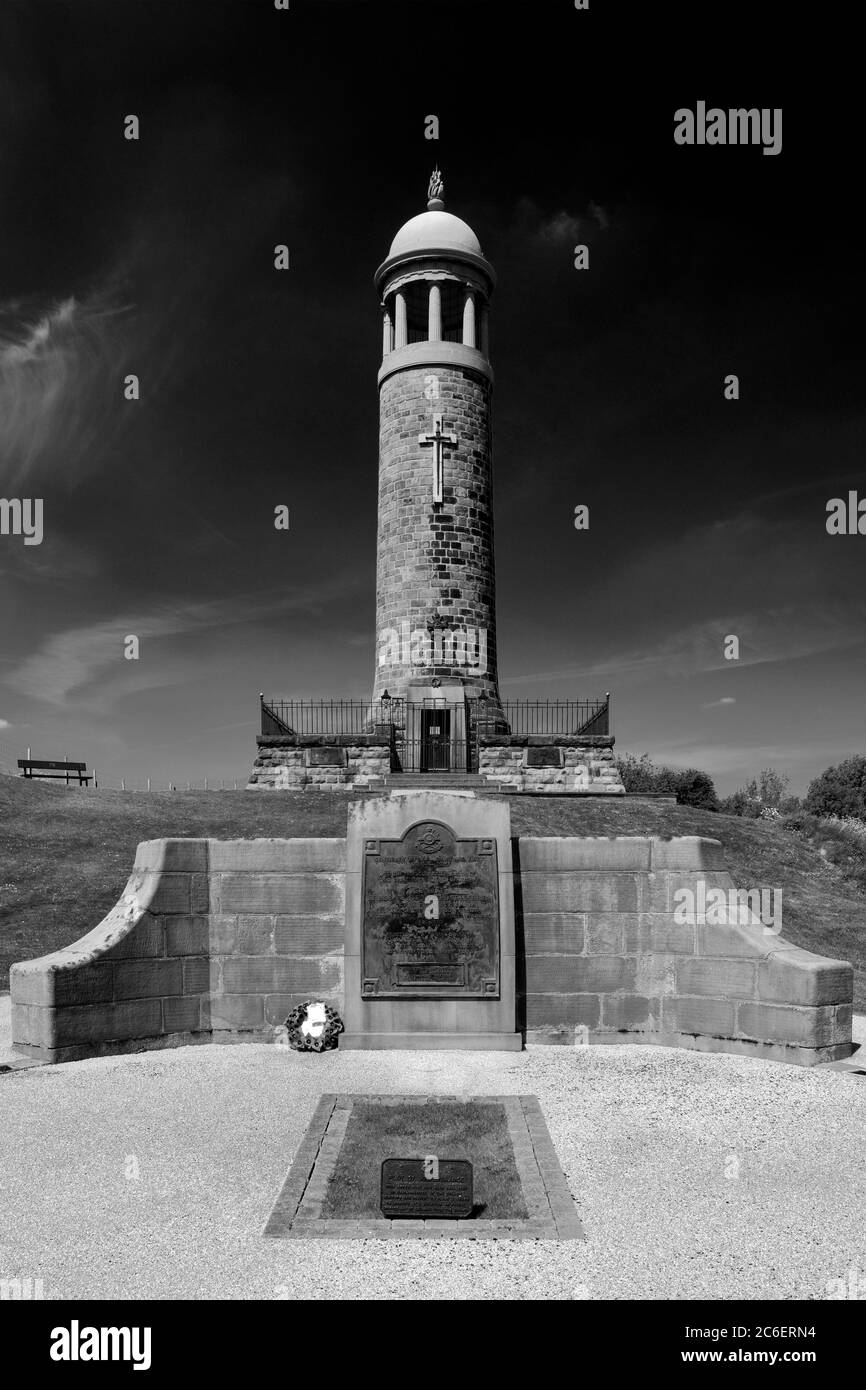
(840, 790)
(694, 788)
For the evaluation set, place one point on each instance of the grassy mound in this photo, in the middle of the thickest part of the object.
(66, 853)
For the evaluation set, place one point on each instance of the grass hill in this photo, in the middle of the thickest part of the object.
(66, 853)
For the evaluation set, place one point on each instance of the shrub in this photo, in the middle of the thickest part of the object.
(840, 791)
(765, 792)
(691, 787)
(695, 788)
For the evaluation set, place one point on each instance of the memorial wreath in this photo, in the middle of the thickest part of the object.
(313, 1026)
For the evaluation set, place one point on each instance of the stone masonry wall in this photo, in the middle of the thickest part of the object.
(587, 763)
(607, 962)
(435, 558)
(219, 940)
(293, 762)
(212, 940)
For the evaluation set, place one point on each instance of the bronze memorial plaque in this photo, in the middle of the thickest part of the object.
(426, 1189)
(431, 916)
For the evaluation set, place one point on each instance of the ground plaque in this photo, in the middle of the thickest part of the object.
(426, 1189)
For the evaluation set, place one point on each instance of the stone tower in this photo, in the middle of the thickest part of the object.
(435, 588)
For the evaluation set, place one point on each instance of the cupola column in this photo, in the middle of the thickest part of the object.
(400, 334)
(469, 319)
(434, 315)
(387, 332)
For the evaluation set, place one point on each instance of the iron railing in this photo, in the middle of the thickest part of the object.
(567, 717)
(557, 716)
(327, 716)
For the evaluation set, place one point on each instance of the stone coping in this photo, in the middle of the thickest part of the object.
(323, 740)
(546, 740)
(552, 1213)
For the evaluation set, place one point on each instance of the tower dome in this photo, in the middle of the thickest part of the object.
(435, 230)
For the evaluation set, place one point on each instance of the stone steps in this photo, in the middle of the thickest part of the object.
(439, 781)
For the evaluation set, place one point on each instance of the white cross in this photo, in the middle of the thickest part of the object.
(438, 440)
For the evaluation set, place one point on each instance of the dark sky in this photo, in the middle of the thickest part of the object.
(707, 516)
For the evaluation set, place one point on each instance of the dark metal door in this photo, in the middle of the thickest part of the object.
(435, 740)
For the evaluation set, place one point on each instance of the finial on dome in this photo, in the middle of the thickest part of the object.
(435, 190)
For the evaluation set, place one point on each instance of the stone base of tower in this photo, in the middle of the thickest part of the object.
(320, 762)
(555, 763)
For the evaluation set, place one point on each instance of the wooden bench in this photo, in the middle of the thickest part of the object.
(33, 768)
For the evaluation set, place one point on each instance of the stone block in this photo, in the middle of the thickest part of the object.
(578, 891)
(147, 979)
(273, 975)
(169, 893)
(750, 942)
(561, 932)
(578, 974)
(657, 932)
(255, 935)
(199, 893)
(630, 1013)
(138, 1018)
(186, 936)
(145, 938)
(234, 1011)
(172, 856)
(181, 1015)
(792, 976)
(197, 975)
(722, 979)
(605, 932)
(660, 887)
(308, 936)
(593, 854)
(223, 934)
(711, 1016)
(284, 894)
(562, 1010)
(57, 984)
(801, 1026)
(656, 975)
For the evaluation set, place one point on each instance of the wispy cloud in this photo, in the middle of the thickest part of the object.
(767, 636)
(559, 228)
(725, 700)
(75, 660)
(56, 364)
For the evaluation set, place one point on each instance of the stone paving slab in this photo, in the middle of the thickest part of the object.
(297, 1212)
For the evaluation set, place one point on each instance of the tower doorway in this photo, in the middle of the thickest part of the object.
(435, 740)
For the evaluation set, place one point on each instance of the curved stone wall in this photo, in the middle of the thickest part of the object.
(218, 940)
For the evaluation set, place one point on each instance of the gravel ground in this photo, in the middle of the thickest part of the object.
(696, 1176)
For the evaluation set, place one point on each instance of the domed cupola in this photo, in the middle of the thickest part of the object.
(435, 289)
